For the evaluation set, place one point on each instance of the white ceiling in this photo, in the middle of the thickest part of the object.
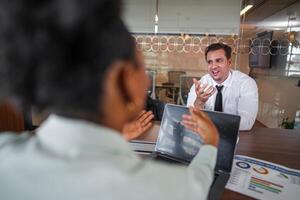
(272, 15)
(280, 19)
(188, 16)
(210, 16)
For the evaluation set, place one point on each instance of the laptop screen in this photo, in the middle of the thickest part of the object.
(177, 142)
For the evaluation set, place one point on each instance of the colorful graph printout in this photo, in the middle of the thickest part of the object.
(263, 180)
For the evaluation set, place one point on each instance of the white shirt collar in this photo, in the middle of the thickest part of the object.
(73, 137)
(227, 81)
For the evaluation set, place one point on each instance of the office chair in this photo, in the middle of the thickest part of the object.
(185, 85)
(173, 82)
(151, 90)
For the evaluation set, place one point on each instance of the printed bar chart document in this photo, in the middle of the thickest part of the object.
(263, 180)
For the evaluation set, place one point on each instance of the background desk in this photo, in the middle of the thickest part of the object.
(174, 90)
(280, 146)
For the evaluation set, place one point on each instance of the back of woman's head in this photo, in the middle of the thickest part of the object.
(54, 53)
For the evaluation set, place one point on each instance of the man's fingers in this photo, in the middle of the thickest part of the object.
(211, 90)
(207, 95)
(195, 81)
(197, 84)
(201, 88)
(204, 86)
(205, 91)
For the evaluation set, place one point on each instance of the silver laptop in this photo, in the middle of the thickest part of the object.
(175, 143)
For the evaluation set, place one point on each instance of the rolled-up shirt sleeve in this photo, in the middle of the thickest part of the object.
(191, 97)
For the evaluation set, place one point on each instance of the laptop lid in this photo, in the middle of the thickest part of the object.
(177, 142)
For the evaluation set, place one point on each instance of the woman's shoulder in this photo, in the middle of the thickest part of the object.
(11, 138)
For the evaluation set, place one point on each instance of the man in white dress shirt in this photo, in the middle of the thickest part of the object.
(224, 89)
(76, 60)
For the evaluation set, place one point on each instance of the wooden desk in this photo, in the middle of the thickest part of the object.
(280, 146)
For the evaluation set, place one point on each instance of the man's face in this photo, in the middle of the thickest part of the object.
(218, 65)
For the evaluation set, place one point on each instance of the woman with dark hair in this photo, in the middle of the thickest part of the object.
(76, 60)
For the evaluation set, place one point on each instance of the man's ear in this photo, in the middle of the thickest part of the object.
(229, 61)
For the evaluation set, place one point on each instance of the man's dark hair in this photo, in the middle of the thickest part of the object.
(217, 46)
(55, 53)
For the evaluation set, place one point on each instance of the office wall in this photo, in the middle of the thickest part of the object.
(175, 52)
(279, 95)
(279, 98)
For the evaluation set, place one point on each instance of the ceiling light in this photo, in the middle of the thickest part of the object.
(248, 7)
(155, 29)
(156, 17)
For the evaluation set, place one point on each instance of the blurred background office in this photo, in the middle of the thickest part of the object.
(173, 34)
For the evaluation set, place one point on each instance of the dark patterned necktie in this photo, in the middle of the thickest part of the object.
(219, 99)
